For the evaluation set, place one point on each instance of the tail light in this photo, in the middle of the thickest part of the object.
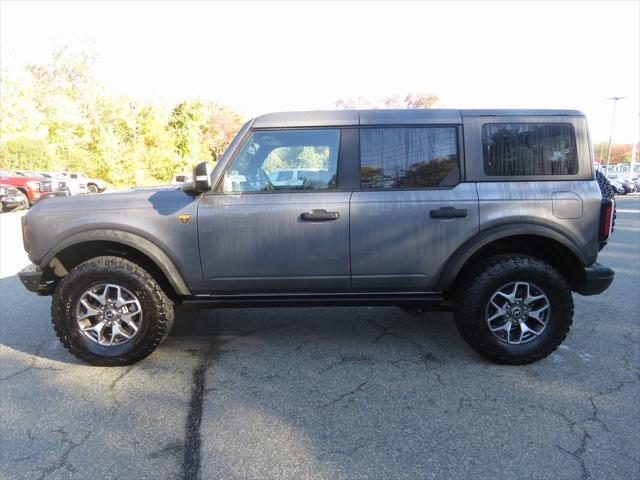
(25, 233)
(606, 219)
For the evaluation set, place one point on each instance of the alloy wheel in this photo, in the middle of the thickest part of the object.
(109, 314)
(518, 312)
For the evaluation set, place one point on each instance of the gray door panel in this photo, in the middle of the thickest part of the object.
(395, 242)
(258, 243)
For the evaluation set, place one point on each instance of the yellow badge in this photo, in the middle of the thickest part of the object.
(184, 218)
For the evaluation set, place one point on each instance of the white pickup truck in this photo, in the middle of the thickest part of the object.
(62, 181)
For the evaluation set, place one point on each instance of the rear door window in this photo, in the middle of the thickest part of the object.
(408, 157)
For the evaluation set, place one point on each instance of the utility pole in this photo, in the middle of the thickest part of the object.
(634, 150)
(613, 119)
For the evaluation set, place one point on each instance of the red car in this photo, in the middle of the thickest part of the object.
(30, 186)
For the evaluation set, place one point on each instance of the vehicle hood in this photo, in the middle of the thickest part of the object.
(158, 198)
(151, 213)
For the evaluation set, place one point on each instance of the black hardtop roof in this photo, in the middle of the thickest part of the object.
(333, 118)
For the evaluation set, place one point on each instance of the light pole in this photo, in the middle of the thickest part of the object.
(613, 119)
(634, 151)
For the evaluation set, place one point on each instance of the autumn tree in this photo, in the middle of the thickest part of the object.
(620, 153)
(410, 100)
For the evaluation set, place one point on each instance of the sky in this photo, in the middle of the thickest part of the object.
(276, 56)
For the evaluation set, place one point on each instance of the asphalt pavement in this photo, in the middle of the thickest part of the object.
(324, 393)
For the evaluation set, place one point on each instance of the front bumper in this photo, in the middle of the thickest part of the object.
(597, 279)
(11, 201)
(32, 279)
(57, 193)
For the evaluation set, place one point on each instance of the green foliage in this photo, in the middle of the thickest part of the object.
(57, 116)
(20, 151)
(297, 157)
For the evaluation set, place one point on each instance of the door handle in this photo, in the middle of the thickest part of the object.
(319, 216)
(448, 212)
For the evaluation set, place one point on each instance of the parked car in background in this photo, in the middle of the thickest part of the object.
(94, 185)
(182, 178)
(58, 185)
(29, 186)
(629, 185)
(12, 199)
(67, 184)
(618, 186)
(291, 177)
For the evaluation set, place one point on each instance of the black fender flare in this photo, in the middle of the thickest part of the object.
(144, 246)
(456, 262)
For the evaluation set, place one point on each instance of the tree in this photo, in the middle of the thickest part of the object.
(222, 125)
(620, 153)
(21, 151)
(420, 100)
(411, 100)
(354, 104)
(58, 116)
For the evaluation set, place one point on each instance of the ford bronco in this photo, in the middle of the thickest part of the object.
(493, 214)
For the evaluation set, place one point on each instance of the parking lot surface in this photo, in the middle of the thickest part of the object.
(324, 393)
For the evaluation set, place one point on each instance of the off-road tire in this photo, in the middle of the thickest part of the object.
(157, 308)
(475, 289)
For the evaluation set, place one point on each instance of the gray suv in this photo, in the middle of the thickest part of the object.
(494, 214)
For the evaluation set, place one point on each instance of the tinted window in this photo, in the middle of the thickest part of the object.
(529, 149)
(409, 157)
(256, 168)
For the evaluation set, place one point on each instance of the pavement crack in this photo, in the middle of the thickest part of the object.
(385, 330)
(32, 365)
(192, 439)
(578, 453)
(172, 448)
(344, 395)
(63, 461)
(120, 377)
(362, 359)
(426, 357)
(253, 332)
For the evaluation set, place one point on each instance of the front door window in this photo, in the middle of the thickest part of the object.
(273, 160)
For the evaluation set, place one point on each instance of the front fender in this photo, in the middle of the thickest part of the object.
(149, 249)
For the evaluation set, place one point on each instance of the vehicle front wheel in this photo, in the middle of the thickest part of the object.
(109, 311)
(513, 309)
(92, 188)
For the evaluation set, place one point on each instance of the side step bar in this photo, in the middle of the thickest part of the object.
(427, 301)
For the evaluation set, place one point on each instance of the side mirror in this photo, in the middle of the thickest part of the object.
(202, 177)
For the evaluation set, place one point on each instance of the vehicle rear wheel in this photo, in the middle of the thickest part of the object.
(513, 309)
(92, 188)
(109, 311)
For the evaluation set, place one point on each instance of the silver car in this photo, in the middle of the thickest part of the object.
(493, 214)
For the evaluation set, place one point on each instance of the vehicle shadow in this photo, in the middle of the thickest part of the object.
(25, 322)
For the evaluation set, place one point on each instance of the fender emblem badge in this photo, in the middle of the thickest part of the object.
(184, 218)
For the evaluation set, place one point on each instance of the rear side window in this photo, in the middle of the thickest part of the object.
(521, 149)
(409, 157)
